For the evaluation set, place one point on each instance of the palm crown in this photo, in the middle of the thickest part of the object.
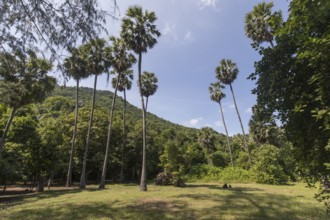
(149, 84)
(261, 23)
(227, 71)
(216, 94)
(139, 30)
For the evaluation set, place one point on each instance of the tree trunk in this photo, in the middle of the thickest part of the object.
(271, 44)
(228, 143)
(10, 120)
(147, 99)
(240, 121)
(105, 163)
(83, 172)
(50, 180)
(143, 183)
(40, 187)
(121, 179)
(69, 175)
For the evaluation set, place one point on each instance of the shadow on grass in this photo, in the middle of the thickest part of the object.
(235, 203)
(147, 210)
(218, 187)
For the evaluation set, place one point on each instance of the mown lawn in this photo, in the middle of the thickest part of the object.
(196, 201)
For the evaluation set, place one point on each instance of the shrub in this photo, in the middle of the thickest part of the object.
(266, 168)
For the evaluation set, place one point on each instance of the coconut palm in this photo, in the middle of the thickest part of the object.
(23, 80)
(74, 67)
(121, 61)
(149, 85)
(125, 83)
(226, 73)
(97, 58)
(261, 23)
(140, 33)
(217, 95)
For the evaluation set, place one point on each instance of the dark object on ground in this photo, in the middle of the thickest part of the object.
(164, 179)
(229, 186)
(225, 186)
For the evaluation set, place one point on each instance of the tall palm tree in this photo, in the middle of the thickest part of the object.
(140, 33)
(121, 61)
(97, 58)
(261, 23)
(23, 80)
(125, 83)
(217, 95)
(149, 85)
(74, 67)
(226, 73)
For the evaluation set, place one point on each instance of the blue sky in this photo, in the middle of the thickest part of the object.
(196, 35)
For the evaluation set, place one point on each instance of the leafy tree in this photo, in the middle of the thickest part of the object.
(97, 57)
(140, 33)
(226, 73)
(75, 67)
(121, 60)
(267, 168)
(149, 85)
(292, 83)
(217, 95)
(23, 80)
(47, 23)
(261, 23)
(206, 138)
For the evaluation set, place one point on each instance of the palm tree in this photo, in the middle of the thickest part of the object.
(226, 73)
(125, 83)
(74, 67)
(149, 85)
(217, 95)
(140, 33)
(97, 57)
(121, 61)
(261, 23)
(23, 80)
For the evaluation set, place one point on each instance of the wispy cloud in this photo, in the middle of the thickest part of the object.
(188, 36)
(195, 121)
(218, 123)
(248, 110)
(169, 30)
(207, 3)
(231, 106)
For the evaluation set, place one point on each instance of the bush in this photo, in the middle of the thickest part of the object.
(266, 168)
(163, 179)
(229, 174)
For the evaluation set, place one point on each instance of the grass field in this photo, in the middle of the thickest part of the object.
(196, 201)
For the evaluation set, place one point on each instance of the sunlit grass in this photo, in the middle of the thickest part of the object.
(196, 201)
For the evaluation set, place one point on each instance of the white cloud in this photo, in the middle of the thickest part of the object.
(169, 30)
(195, 121)
(218, 123)
(207, 3)
(188, 36)
(248, 110)
(231, 106)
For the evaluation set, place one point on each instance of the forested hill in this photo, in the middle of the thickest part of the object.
(104, 99)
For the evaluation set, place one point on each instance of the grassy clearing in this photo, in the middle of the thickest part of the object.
(196, 201)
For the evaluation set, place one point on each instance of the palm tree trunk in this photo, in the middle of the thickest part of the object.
(10, 120)
(69, 175)
(240, 121)
(105, 163)
(121, 179)
(83, 172)
(147, 99)
(271, 44)
(228, 143)
(143, 183)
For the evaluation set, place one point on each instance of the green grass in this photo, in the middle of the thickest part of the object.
(196, 201)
